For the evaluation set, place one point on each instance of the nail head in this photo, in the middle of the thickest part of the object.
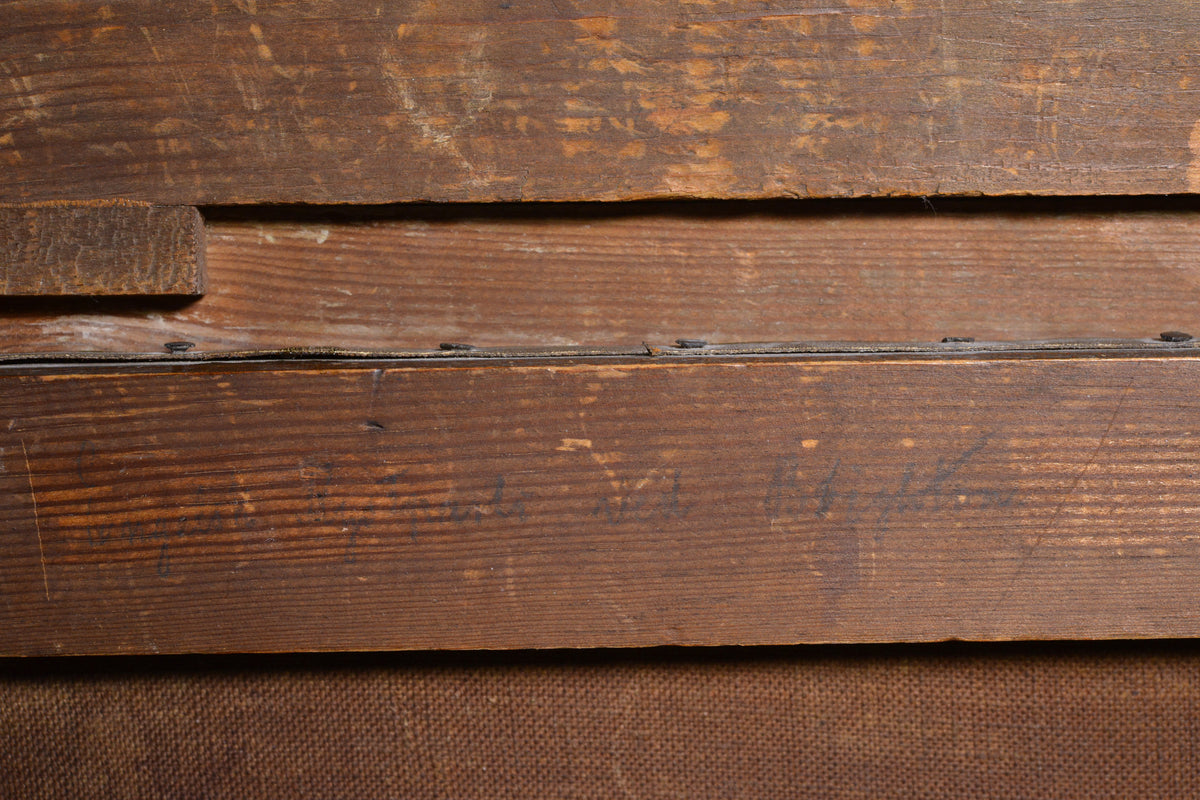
(1175, 336)
(179, 347)
(691, 344)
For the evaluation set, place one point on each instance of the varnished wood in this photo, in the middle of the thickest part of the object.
(356, 101)
(620, 275)
(604, 502)
(100, 248)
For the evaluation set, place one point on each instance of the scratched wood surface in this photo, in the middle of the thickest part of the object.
(100, 248)
(240, 101)
(621, 274)
(607, 502)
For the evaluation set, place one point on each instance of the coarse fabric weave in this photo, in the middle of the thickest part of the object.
(1117, 720)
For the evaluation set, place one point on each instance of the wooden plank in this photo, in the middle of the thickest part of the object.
(101, 248)
(617, 275)
(597, 503)
(355, 101)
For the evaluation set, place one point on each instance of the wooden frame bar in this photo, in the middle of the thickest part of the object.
(598, 502)
(349, 101)
(621, 274)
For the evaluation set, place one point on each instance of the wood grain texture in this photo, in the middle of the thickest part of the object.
(355, 101)
(100, 248)
(609, 275)
(582, 503)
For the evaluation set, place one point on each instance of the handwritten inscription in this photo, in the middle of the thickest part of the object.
(838, 508)
(332, 503)
(848, 491)
(845, 508)
(161, 531)
(457, 507)
(652, 498)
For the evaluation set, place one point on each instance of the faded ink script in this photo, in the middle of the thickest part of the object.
(342, 512)
(858, 510)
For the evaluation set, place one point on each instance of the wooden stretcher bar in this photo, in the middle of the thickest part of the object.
(591, 501)
(620, 274)
(350, 101)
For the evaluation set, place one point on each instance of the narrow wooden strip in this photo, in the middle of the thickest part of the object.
(357, 101)
(597, 503)
(592, 275)
(100, 248)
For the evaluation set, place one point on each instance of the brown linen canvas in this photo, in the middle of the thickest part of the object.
(943, 721)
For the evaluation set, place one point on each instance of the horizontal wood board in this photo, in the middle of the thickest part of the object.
(285, 506)
(608, 275)
(100, 248)
(349, 101)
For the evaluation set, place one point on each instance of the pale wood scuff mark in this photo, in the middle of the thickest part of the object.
(37, 523)
(1193, 170)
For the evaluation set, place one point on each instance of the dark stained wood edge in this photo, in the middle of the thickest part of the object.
(597, 502)
(101, 248)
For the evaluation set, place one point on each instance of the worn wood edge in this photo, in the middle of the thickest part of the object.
(1045, 443)
(101, 248)
(198, 285)
(97, 203)
(1152, 348)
